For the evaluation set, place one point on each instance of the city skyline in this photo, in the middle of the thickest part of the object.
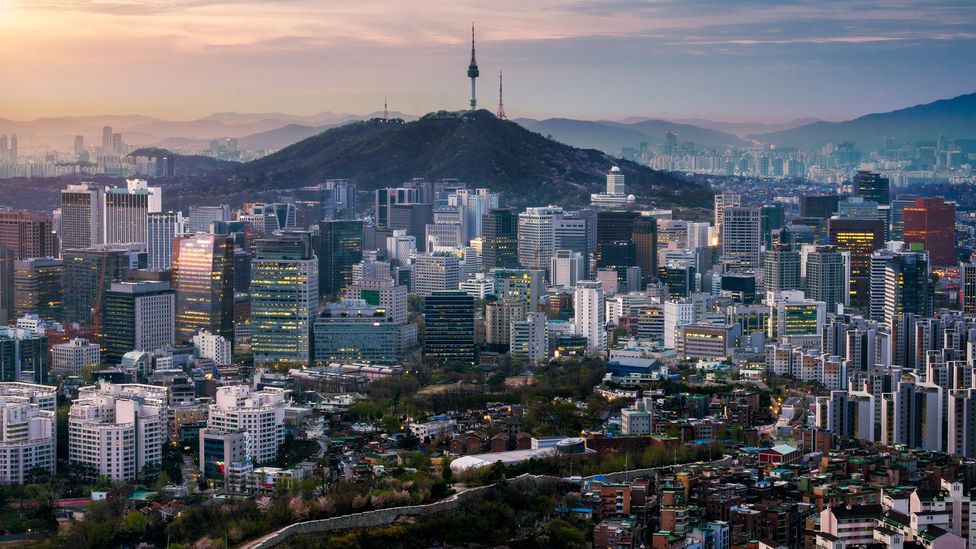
(180, 59)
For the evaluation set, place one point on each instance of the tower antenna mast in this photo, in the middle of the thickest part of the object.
(473, 72)
(501, 103)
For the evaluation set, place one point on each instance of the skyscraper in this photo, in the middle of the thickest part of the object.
(772, 217)
(499, 239)
(616, 182)
(37, 287)
(201, 217)
(7, 293)
(644, 237)
(449, 328)
(872, 186)
(139, 316)
(436, 272)
(284, 299)
(203, 277)
(340, 247)
(967, 287)
(860, 237)
(931, 222)
(827, 278)
(722, 201)
(28, 234)
(162, 228)
(89, 274)
(81, 216)
(781, 269)
(740, 237)
(126, 214)
(907, 286)
(536, 236)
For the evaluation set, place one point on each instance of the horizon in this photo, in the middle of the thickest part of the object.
(755, 62)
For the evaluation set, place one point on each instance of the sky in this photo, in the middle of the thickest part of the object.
(731, 60)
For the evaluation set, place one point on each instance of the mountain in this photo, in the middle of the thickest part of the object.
(613, 136)
(279, 138)
(954, 118)
(186, 165)
(475, 147)
(743, 129)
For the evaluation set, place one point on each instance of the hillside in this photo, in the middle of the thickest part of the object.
(477, 148)
(954, 118)
(186, 165)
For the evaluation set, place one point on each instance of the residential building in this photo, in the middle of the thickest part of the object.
(259, 415)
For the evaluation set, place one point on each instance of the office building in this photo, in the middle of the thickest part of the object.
(28, 441)
(781, 269)
(638, 420)
(203, 277)
(590, 312)
(827, 276)
(82, 218)
(118, 431)
(872, 186)
(340, 247)
(499, 316)
(722, 201)
(740, 237)
(139, 316)
(967, 287)
(435, 272)
(356, 331)
(860, 238)
(644, 237)
(536, 236)
(519, 284)
(907, 286)
(8, 265)
(37, 287)
(72, 357)
(566, 268)
(500, 239)
(449, 336)
(28, 234)
(772, 217)
(126, 215)
(89, 274)
(383, 293)
(819, 206)
(931, 223)
(961, 435)
(400, 247)
(706, 341)
(201, 218)
(260, 415)
(214, 347)
(23, 356)
(284, 299)
(162, 229)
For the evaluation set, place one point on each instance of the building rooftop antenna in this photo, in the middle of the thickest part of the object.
(501, 103)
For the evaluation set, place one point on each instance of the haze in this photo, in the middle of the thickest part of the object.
(749, 60)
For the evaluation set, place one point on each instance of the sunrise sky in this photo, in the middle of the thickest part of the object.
(759, 60)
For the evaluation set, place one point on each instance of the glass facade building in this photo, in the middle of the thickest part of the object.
(203, 277)
(449, 322)
(340, 247)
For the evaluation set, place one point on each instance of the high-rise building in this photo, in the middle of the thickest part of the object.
(356, 331)
(118, 431)
(644, 237)
(23, 356)
(202, 217)
(155, 193)
(162, 229)
(107, 138)
(28, 234)
(37, 287)
(384, 293)
(88, 275)
(340, 247)
(536, 236)
(961, 439)
(449, 336)
(722, 201)
(500, 239)
(898, 205)
(139, 316)
(827, 277)
(772, 217)
(435, 272)
(8, 295)
(260, 415)
(590, 313)
(528, 338)
(28, 421)
(82, 218)
(819, 206)
(781, 269)
(931, 222)
(566, 268)
(907, 286)
(284, 299)
(499, 316)
(616, 183)
(967, 287)
(740, 237)
(400, 247)
(203, 277)
(859, 237)
(126, 214)
(872, 186)
(214, 347)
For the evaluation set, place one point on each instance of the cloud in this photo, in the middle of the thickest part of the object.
(128, 7)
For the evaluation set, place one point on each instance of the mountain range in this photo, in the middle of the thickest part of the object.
(474, 147)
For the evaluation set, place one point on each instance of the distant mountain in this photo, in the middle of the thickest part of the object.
(614, 136)
(186, 165)
(279, 138)
(954, 118)
(477, 148)
(743, 129)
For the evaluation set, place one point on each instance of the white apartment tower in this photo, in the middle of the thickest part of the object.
(118, 430)
(27, 431)
(260, 415)
(590, 312)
